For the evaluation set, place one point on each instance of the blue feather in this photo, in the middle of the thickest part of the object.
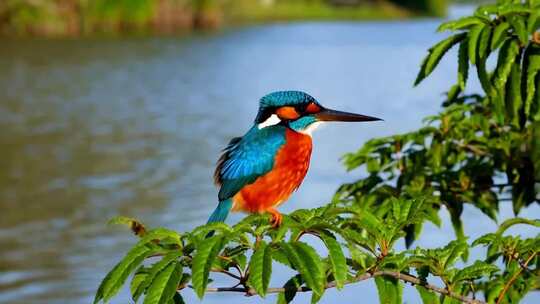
(221, 212)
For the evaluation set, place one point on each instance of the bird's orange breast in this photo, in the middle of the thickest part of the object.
(290, 167)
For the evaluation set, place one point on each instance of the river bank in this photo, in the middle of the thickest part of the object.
(76, 18)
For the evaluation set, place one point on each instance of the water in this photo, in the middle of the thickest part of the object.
(91, 129)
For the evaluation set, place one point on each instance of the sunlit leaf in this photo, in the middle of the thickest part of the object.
(337, 259)
(207, 252)
(308, 263)
(390, 290)
(435, 55)
(163, 287)
(260, 268)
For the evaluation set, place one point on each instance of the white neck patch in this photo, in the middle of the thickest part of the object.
(309, 130)
(270, 121)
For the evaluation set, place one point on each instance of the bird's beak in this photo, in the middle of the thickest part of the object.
(333, 115)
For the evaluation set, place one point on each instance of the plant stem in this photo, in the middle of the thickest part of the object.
(398, 275)
(514, 277)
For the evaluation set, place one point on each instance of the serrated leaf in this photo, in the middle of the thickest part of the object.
(371, 224)
(162, 234)
(518, 24)
(476, 270)
(463, 64)
(337, 259)
(516, 221)
(155, 270)
(459, 24)
(260, 268)
(474, 36)
(138, 279)
(456, 249)
(435, 54)
(390, 290)
(164, 285)
(507, 57)
(207, 252)
(427, 296)
(533, 21)
(531, 68)
(308, 263)
(117, 276)
(513, 95)
(484, 42)
(483, 76)
(500, 33)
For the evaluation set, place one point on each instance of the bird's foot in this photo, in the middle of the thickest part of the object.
(276, 219)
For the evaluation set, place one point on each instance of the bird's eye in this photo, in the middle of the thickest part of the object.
(313, 108)
(287, 113)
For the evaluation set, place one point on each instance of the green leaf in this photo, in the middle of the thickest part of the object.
(476, 270)
(531, 68)
(155, 270)
(207, 252)
(516, 221)
(118, 275)
(513, 95)
(514, 8)
(507, 57)
(136, 282)
(499, 35)
(308, 263)
(164, 285)
(483, 42)
(390, 290)
(371, 224)
(456, 249)
(260, 268)
(483, 76)
(337, 259)
(518, 23)
(533, 21)
(459, 24)
(435, 54)
(474, 36)
(463, 64)
(428, 297)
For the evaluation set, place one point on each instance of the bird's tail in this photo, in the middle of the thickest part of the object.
(221, 212)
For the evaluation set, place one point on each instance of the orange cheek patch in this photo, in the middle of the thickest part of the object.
(287, 113)
(313, 108)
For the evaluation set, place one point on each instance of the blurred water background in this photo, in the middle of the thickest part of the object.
(98, 127)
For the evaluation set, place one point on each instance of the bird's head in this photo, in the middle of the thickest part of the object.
(299, 111)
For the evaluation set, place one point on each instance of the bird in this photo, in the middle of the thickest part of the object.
(260, 170)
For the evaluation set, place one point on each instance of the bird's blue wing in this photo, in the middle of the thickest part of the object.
(247, 158)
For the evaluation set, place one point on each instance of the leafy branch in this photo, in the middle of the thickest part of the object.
(359, 243)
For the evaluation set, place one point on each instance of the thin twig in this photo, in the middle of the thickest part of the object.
(514, 277)
(232, 275)
(400, 276)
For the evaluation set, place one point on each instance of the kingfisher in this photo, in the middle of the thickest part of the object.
(260, 170)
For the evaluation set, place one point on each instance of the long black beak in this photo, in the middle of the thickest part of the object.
(333, 115)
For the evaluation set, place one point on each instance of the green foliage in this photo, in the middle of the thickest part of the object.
(260, 268)
(482, 150)
(371, 236)
(390, 290)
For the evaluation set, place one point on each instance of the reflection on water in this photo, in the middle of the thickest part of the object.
(91, 129)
